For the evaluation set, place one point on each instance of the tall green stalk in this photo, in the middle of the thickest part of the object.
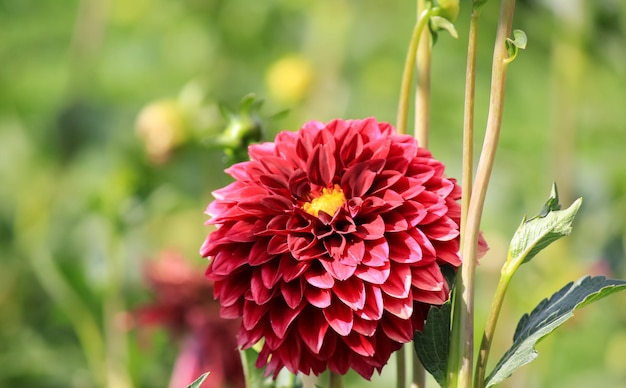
(463, 344)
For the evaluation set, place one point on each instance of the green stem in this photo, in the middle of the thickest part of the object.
(335, 381)
(401, 368)
(467, 181)
(409, 69)
(422, 92)
(490, 327)
(465, 308)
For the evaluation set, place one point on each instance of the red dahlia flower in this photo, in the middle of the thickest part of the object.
(329, 244)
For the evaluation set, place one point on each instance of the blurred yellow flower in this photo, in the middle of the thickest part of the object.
(289, 78)
(161, 126)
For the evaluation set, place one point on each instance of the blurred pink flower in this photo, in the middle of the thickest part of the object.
(183, 305)
(329, 244)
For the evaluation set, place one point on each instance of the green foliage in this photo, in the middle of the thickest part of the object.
(198, 382)
(537, 233)
(546, 317)
(433, 342)
(514, 45)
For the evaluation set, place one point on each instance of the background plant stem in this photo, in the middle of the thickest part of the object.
(496, 104)
(335, 381)
(409, 69)
(422, 92)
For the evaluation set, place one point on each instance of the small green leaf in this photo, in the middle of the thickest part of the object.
(438, 23)
(198, 382)
(547, 316)
(536, 233)
(513, 45)
(433, 342)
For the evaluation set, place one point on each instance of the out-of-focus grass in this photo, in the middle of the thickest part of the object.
(82, 205)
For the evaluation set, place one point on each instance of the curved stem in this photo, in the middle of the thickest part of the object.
(409, 69)
(479, 191)
(492, 320)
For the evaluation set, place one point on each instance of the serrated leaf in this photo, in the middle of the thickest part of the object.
(198, 382)
(537, 233)
(433, 342)
(546, 317)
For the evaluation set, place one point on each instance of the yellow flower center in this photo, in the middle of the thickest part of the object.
(328, 202)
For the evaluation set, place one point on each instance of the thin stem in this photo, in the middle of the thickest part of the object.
(335, 381)
(401, 368)
(422, 92)
(419, 373)
(492, 320)
(466, 179)
(409, 69)
(479, 191)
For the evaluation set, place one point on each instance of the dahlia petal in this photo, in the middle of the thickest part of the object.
(443, 230)
(428, 278)
(373, 275)
(226, 262)
(431, 297)
(341, 361)
(292, 269)
(363, 367)
(258, 253)
(351, 292)
(385, 179)
(376, 253)
(233, 311)
(392, 199)
(404, 248)
(339, 317)
(401, 308)
(359, 344)
(253, 313)
(359, 177)
(337, 269)
(371, 229)
(312, 327)
(397, 329)
(270, 274)
(335, 245)
(448, 252)
(247, 338)
(232, 288)
(320, 278)
(297, 244)
(364, 326)
(395, 222)
(321, 165)
(278, 244)
(351, 147)
(292, 293)
(290, 355)
(260, 293)
(373, 308)
(354, 253)
(399, 282)
(242, 231)
(276, 203)
(281, 317)
(261, 150)
(318, 297)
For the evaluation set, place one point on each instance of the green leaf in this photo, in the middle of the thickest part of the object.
(547, 316)
(513, 45)
(535, 234)
(438, 23)
(198, 382)
(433, 342)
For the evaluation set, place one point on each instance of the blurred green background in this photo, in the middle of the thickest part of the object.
(104, 105)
